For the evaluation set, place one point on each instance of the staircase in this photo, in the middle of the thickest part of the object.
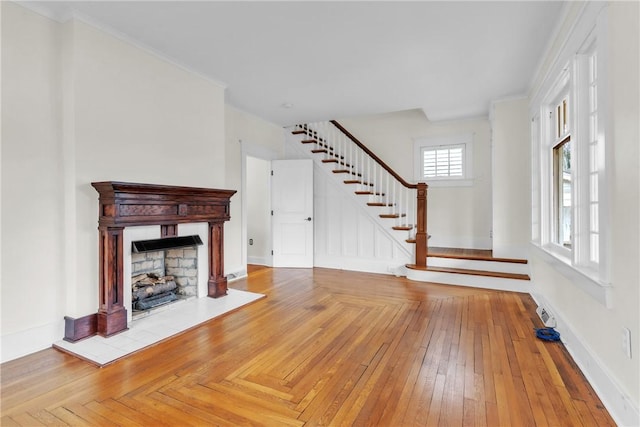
(400, 207)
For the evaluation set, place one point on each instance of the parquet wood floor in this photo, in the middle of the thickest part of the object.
(326, 347)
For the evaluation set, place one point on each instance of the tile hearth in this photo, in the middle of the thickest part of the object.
(149, 330)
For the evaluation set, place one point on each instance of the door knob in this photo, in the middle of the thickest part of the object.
(308, 219)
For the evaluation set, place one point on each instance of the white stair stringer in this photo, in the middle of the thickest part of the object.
(350, 234)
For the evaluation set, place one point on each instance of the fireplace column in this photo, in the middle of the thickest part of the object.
(217, 284)
(112, 315)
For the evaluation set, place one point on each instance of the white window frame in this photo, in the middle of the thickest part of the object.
(572, 80)
(549, 139)
(465, 141)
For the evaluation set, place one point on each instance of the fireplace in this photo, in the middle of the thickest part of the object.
(133, 206)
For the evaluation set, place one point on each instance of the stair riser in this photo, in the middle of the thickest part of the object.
(469, 264)
(483, 282)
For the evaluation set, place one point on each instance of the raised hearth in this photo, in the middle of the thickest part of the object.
(125, 204)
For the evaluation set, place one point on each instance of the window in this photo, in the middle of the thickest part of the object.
(444, 161)
(568, 140)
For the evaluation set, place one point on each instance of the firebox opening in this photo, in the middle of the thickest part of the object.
(160, 277)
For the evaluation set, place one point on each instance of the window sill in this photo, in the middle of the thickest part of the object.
(599, 291)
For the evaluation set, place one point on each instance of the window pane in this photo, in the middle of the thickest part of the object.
(594, 243)
(563, 189)
(443, 162)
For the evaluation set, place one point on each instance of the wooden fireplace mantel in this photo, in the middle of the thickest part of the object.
(125, 204)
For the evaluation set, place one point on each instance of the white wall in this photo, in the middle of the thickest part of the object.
(594, 330)
(80, 106)
(511, 178)
(258, 211)
(457, 216)
(33, 284)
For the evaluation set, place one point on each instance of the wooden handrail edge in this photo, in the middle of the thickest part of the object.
(372, 155)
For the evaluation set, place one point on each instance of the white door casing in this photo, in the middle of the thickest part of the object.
(292, 205)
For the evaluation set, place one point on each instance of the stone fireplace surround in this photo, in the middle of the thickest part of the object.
(123, 204)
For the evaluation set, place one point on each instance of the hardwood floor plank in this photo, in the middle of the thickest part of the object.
(7, 421)
(26, 419)
(434, 413)
(325, 347)
(46, 418)
(190, 414)
(117, 417)
(88, 415)
(69, 417)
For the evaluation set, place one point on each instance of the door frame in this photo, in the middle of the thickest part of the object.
(250, 149)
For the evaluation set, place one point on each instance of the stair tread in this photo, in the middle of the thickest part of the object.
(309, 141)
(379, 204)
(392, 215)
(368, 193)
(483, 273)
(478, 255)
(298, 132)
(436, 253)
(413, 240)
(402, 227)
(346, 171)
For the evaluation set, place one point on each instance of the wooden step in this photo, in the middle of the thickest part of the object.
(309, 141)
(392, 215)
(357, 181)
(336, 159)
(414, 240)
(368, 193)
(298, 132)
(402, 227)
(319, 150)
(471, 254)
(346, 171)
(379, 204)
(482, 273)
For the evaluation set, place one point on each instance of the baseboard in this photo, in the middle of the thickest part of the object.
(621, 407)
(23, 343)
(236, 273)
(258, 260)
(379, 266)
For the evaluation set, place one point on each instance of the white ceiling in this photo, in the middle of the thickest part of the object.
(341, 59)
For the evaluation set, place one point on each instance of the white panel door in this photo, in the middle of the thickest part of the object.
(292, 204)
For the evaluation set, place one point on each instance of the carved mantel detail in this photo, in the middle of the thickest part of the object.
(125, 204)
